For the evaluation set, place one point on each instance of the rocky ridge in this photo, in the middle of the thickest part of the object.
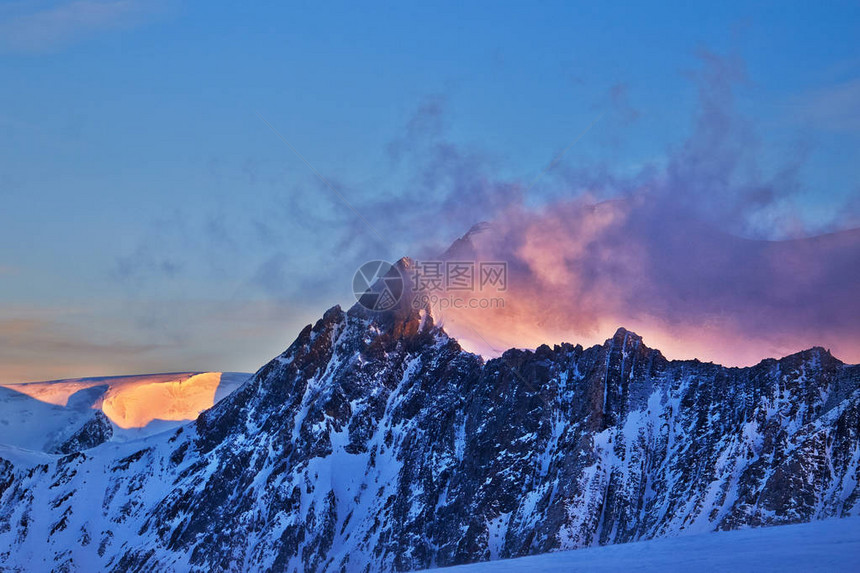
(374, 442)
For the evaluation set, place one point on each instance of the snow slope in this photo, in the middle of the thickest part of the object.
(828, 545)
(39, 415)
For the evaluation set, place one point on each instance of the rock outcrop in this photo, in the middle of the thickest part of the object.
(374, 442)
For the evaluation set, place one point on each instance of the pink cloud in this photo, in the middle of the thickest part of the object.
(579, 269)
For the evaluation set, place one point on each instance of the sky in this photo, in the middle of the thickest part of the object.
(155, 214)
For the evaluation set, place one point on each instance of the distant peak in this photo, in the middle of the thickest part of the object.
(819, 353)
(464, 247)
(476, 229)
(627, 341)
(622, 333)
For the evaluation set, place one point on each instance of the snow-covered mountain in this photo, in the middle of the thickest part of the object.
(374, 442)
(43, 416)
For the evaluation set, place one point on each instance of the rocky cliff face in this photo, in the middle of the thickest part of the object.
(376, 443)
(94, 432)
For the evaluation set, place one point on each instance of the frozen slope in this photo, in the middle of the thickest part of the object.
(828, 545)
(40, 415)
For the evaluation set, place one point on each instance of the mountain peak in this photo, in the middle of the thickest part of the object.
(621, 332)
(464, 247)
(624, 338)
(407, 315)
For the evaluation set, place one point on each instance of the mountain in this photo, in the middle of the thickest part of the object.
(374, 442)
(42, 416)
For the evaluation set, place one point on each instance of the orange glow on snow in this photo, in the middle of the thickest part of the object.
(136, 405)
(135, 401)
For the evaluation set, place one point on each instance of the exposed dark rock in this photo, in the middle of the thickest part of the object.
(374, 442)
(95, 431)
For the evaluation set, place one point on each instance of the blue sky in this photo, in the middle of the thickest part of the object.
(150, 221)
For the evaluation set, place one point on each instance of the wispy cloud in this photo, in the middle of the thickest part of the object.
(832, 108)
(704, 251)
(706, 257)
(38, 27)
